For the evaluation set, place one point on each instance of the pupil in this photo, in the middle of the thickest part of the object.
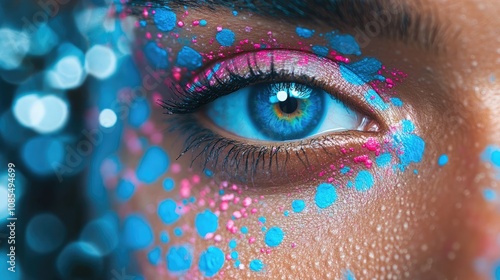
(289, 105)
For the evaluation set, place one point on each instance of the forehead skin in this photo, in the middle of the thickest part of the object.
(431, 226)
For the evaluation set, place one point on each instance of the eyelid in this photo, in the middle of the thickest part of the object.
(247, 69)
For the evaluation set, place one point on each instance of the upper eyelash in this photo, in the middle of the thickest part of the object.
(184, 100)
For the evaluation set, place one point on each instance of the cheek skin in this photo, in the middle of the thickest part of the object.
(406, 225)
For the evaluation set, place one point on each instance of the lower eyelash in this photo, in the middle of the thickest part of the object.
(239, 157)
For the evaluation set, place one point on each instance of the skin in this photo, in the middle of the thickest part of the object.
(433, 225)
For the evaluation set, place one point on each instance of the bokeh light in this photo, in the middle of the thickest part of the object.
(107, 118)
(79, 260)
(100, 62)
(44, 114)
(13, 47)
(41, 154)
(102, 233)
(44, 233)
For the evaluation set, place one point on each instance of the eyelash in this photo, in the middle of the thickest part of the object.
(240, 156)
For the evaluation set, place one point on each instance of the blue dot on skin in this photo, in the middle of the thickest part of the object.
(325, 196)
(232, 244)
(177, 231)
(206, 222)
(165, 19)
(344, 170)
(304, 32)
(164, 237)
(383, 160)
(44, 233)
(234, 255)
(320, 50)
(348, 275)
(489, 194)
(189, 58)
(262, 219)
(152, 165)
(167, 210)
(154, 256)
(137, 232)
(396, 102)
(168, 184)
(375, 100)
(410, 149)
(286, 213)
(344, 44)
(274, 237)
(125, 190)
(244, 230)
(443, 160)
(408, 126)
(211, 261)
(225, 37)
(203, 22)
(256, 265)
(156, 56)
(298, 205)
(139, 112)
(363, 181)
(179, 258)
(491, 154)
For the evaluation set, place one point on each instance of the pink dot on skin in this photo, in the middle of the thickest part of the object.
(251, 240)
(247, 201)
(176, 168)
(237, 214)
(196, 23)
(219, 28)
(224, 206)
(228, 257)
(196, 179)
(217, 238)
(254, 210)
(180, 24)
(236, 200)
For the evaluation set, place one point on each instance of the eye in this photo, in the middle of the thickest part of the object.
(282, 111)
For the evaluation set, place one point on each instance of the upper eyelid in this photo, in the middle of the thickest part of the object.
(332, 82)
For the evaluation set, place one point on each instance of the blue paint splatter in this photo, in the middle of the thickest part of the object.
(189, 58)
(492, 154)
(225, 37)
(152, 165)
(211, 261)
(125, 190)
(154, 256)
(304, 32)
(344, 44)
(244, 230)
(274, 237)
(137, 233)
(203, 22)
(139, 112)
(363, 181)
(235, 13)
(344, 170)
(408, 126)
(396, 102)
(167, 210)
(156, 56)
(206, 222)
(177, 231)
(443, 160)
(361, 72)
(232, 244)
(298, 205)
(179, 258)
(165, 19)
(164, 237)
(208, 172)
(320, 50)
(383, 160)
(168, 184)
(348, 275)
(375, 100)
(489, 194)
(326, 195)
(234, 255)
(410, 148)
(256, 265)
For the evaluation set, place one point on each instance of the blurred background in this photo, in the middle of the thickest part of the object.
(64, 66)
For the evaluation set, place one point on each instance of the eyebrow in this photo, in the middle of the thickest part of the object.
(411, 22)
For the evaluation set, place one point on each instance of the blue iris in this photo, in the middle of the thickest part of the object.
(286, 111)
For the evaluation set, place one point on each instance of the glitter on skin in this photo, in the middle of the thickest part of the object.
(189, 58)
(165, 19)
(298, 205)
(325, 196)
(211, 261)
(206, 222)
(179, 258)
(443, 160)
(225, 37)
(156, 56)
(364, 181)
(167, 211)
(256, 265)
(304, 32)
(152, 165)
(137, 232)
(274, 237)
